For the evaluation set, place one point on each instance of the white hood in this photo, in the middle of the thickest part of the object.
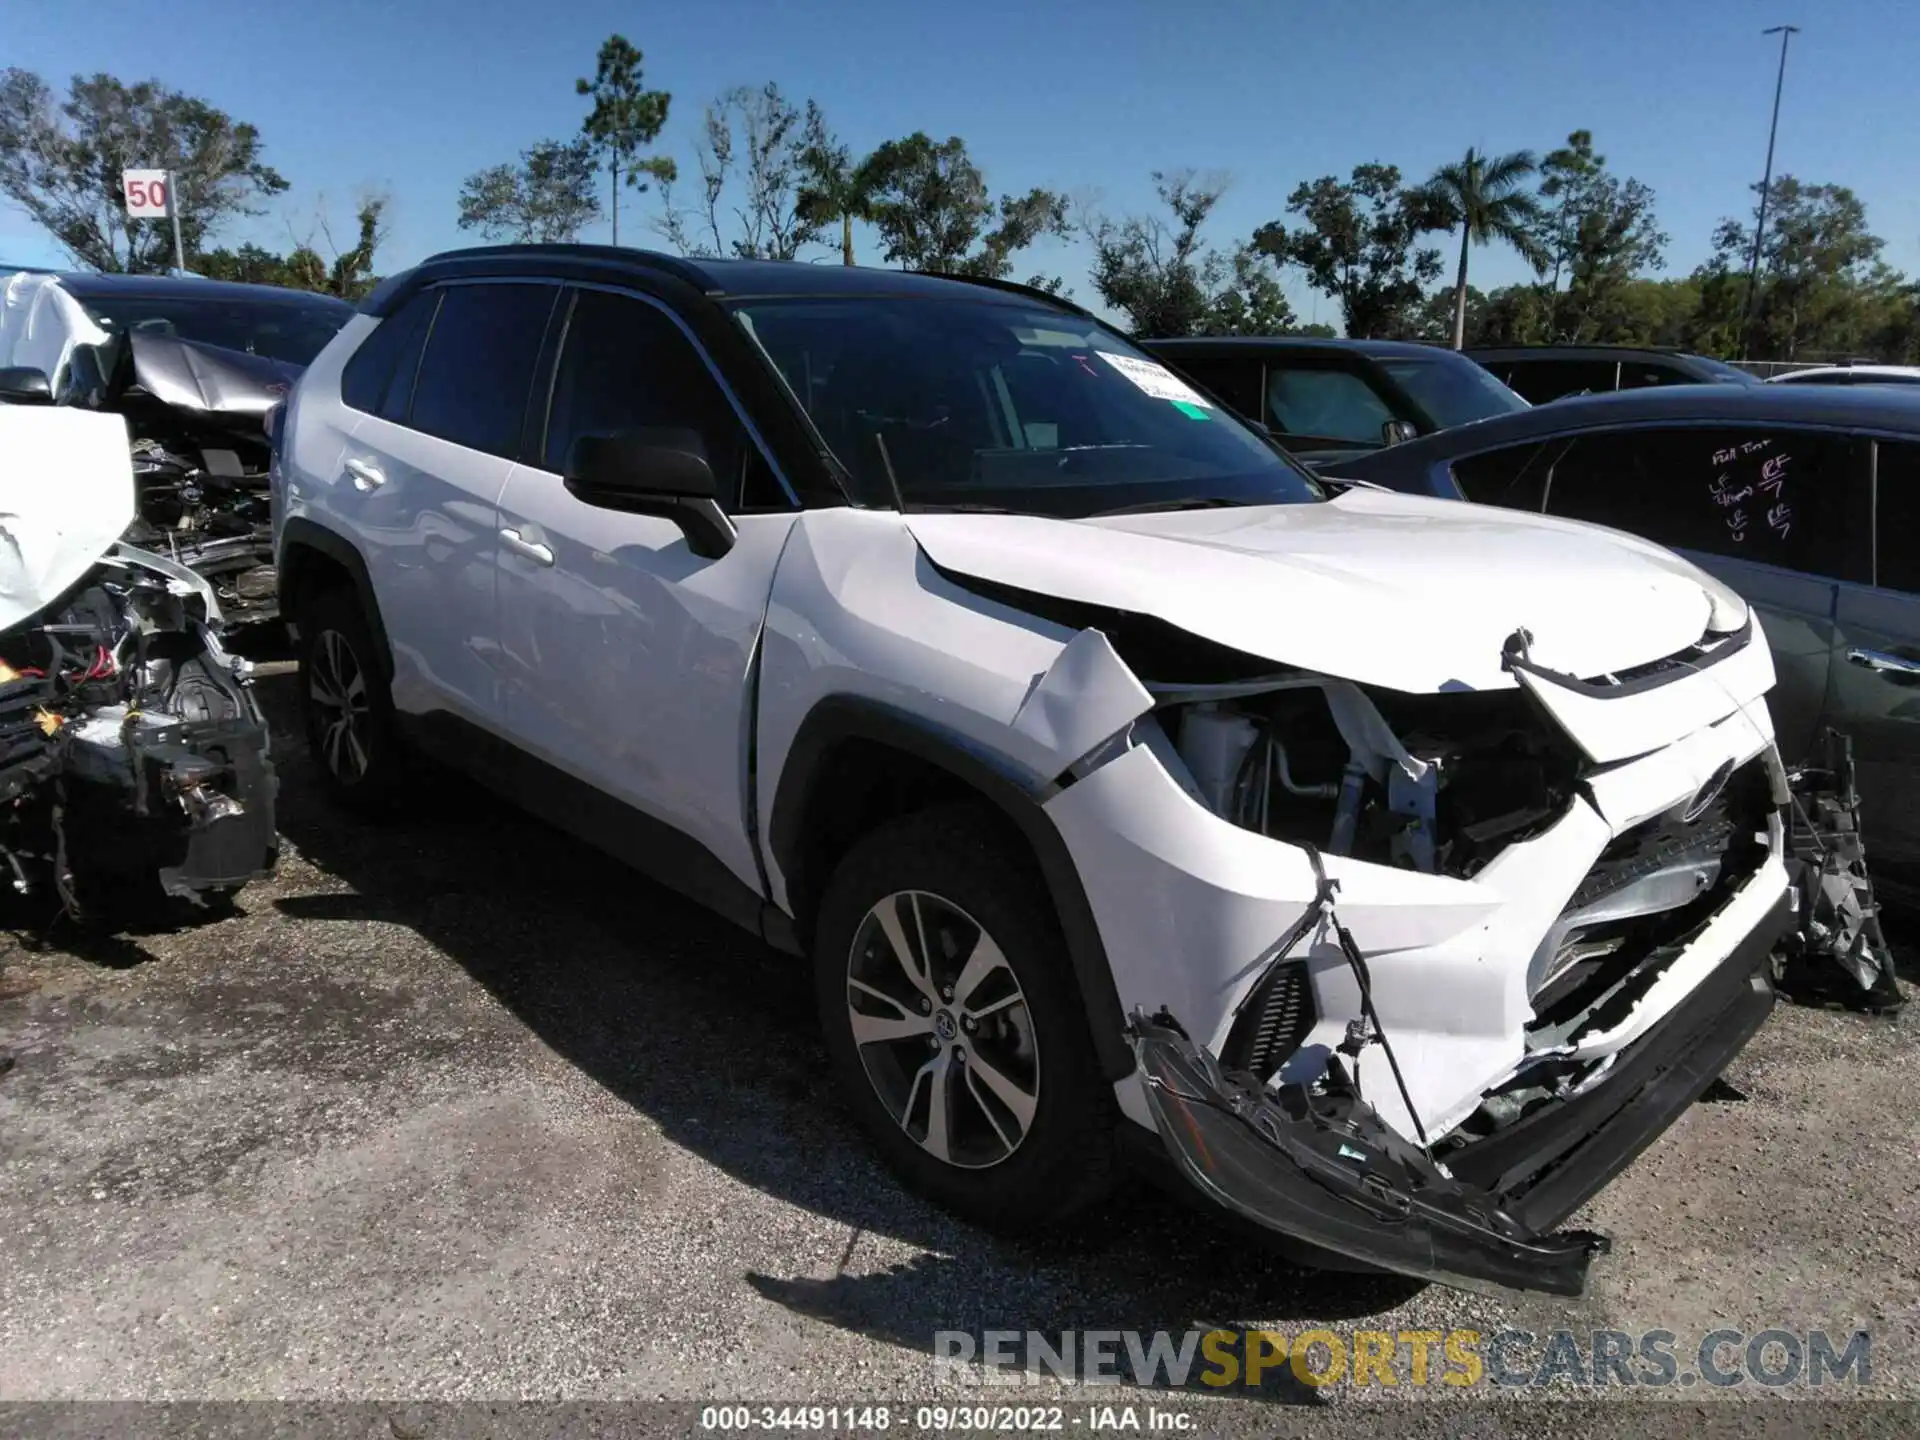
(1400, 591)
(66, 494)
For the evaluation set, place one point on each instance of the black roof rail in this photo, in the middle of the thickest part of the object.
(674, 265)
(1011, 287)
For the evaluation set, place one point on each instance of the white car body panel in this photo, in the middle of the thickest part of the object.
(66, 495)
(40, 323)
(628, 660)
(1397, 590)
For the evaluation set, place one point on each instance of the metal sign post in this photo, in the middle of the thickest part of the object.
(173, 209)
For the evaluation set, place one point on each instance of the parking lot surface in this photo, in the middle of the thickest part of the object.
(454, 1107)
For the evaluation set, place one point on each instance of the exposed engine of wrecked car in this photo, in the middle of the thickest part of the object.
(131, 748)
(198, 419)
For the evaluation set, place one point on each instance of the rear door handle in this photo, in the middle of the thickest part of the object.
(1884, 662)
(366, 476)
(520, 545)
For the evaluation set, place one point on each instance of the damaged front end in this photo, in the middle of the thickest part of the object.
(134, 758)
(1444, 970)
(199, 420)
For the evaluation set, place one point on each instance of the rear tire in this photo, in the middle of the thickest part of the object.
(346, 704)
(981, 1017)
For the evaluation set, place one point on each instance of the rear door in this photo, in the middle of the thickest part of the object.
(424, 477)
(1779, 514)
(1875, 692)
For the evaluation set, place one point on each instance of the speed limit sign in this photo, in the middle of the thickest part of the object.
(146, 192)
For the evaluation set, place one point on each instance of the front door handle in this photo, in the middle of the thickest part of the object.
(366, 476)
(1884, 662)
(520, 545)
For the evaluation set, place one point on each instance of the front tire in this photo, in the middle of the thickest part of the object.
(954, 1026)
(347, 707)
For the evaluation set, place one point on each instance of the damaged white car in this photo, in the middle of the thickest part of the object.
(133, 758)
(1392, 870)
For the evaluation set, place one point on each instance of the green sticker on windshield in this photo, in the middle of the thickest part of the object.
(1191, 410)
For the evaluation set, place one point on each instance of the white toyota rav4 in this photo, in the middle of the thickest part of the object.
(1395, 870)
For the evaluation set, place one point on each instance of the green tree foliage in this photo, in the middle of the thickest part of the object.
(547, 197)
(756, 159)
(1599, 234)
(930, 203)
(1358, 244)
(61, 163)
(1820, 277)
(626, 116)
(1157, 273)
(349, 275)
(1485, 199)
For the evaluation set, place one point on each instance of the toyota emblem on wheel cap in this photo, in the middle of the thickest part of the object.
(1709, 792)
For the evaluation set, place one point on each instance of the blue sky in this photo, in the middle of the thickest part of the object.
(411, 96)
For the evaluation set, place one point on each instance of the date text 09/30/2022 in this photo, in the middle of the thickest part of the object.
(961, 1418)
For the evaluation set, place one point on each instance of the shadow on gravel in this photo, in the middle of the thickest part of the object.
(712, 1035)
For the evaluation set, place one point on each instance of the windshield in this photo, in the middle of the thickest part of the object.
(979, 404)
(1720, 370)
(294, 329)
(1452, 391)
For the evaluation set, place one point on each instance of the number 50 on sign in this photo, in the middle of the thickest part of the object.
(146, 192)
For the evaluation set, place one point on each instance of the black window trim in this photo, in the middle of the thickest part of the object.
(1873, 510)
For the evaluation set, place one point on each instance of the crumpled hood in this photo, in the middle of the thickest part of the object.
(66, 494)
(1400, 591)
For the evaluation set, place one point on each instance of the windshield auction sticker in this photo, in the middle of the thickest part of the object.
(1156, 380)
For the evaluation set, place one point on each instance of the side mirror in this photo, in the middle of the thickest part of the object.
(25, 385)
(661, 472)
(1398, 432)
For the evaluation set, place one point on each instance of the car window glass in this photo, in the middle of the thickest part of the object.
(473, 380)
(1642, 375)
(1897, 518)
(397, 397)
(625, 365)
(391, 351)
(1780, 497)
(1236, 381)
(1452, 389)
(257, 320)
(1543, 380)
(1326, 405)
(1514, 477)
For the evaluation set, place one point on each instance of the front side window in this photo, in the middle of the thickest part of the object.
(293, 329)
(626, 366)
(478, 368)
(1452, 390)
(1792, 498)
(1540, 381)
(1335, 405)
(1514, 478)
(974, 403)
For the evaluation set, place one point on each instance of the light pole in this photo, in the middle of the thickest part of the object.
(1786, 33)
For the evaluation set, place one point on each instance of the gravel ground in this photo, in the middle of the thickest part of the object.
(454, 1108)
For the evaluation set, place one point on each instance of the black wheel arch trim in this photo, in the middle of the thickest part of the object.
(300, 534)
(838, 719)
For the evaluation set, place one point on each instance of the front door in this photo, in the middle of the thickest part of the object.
(629, 658)
(1875, 695)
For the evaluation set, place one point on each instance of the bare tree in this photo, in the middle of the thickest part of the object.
(753, 158)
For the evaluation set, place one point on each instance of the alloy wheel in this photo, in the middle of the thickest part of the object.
(337, 687)
(943, 1030)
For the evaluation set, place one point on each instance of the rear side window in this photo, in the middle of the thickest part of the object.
(1236, 382)
(1643, 375)
(1897, 520)
(1542, 380)
(1515, 477)
(1326, 405)
(1792, 498)
(364, 378)
(479, 363)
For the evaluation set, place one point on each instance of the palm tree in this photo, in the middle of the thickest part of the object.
(834, 189)
(1486, 198)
